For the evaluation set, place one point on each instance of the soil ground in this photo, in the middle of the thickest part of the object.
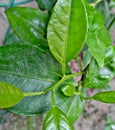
(93, 117)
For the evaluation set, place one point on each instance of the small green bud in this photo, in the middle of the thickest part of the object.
(68, 90)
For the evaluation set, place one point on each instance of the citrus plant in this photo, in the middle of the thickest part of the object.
(34, 64)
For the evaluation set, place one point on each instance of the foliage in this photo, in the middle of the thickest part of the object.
(34, 72)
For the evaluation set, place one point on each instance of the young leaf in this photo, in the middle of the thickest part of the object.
(67, 30)
(9, 95)
(46, 4)
(31, 70)
(95, 19)
(106, 97)
(100, 40)
(28, 24)
(56, 120)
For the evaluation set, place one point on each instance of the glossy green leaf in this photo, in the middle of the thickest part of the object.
(46, 4)
(9, 95)
(56, 120)
(68, 90)
(71, 106)
(98, 42)
(12, 38)
(30, 69)
(67, 30)
(106, 97)
(98, 78)
(95, 19)
(28, 24)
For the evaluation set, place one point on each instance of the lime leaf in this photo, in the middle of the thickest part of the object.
(95, 19)
(28, 24)
(56, 120)
(100, 40)
(99, 77)
(67, 30)
(9, 95)
(106, 97)
(96, 77)
(31, 70)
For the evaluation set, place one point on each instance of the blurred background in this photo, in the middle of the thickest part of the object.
(96, 115)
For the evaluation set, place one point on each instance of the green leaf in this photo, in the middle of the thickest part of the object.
(103, 7)
(67, 30)
(31, 70)
(71, 106)
(46, 4)
(56, 120)
(100, 77)
(12, 38)
(96, 77)
(28, 24)
(68, 90)
(98, 43)
(95, 19)
(9, 95)
(106, 97)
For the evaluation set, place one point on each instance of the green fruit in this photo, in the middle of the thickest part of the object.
(68, 90)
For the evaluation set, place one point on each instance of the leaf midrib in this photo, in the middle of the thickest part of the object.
(67, 37)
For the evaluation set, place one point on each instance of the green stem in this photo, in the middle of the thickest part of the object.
(97, 2)
(77, 93)
(62, 80)
(63, 69)
(53, 99)
(55, 85)
(33, 93)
